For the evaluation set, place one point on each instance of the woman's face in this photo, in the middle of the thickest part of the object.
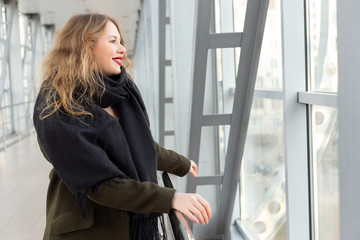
(108, 50)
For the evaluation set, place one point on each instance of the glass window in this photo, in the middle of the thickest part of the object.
(322, 29)
(269, 76)
(325, 173)
(263, 199)
(262, 178)
(270, 61)
(6, 123)
(323, 77)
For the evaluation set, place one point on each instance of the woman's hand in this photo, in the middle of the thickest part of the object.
(192, 204)
(193, 169)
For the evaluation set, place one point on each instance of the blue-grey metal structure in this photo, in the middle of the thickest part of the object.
(250, 42)
(31, 27)
(8, 10)
(349, 117)
(164, 63)
(295, 115)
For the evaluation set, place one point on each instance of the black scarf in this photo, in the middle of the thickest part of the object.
(88, 151)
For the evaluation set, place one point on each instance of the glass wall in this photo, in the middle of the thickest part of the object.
(262, 183)
(322, 31)
(277, 160)
(6, 122)
(20, 54)
(263, 200)
(325, 172)
(323, 77)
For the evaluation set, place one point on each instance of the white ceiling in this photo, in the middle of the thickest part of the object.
(57, 12)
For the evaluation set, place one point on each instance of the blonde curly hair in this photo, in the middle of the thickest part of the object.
(69, 70)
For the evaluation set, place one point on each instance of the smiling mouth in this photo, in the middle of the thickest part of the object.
(117, 60)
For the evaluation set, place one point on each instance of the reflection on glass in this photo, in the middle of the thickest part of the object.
(239, 19)
(322, 28)
(269, 75)
(263, 202)
(325, 173)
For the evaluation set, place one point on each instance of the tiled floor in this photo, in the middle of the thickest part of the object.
(23, 184)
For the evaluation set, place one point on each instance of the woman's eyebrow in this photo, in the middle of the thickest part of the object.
(113, 36)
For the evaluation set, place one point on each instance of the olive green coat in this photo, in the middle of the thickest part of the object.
(108, 219)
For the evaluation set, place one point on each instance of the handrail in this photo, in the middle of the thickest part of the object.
(16, 104)
(180, 226)
(15, 122)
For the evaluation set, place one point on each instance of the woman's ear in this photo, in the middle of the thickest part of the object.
(92, 44)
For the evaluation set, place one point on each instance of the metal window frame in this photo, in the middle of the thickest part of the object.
(295, 121)
(310, 99)
(321, 99)
(349, 118)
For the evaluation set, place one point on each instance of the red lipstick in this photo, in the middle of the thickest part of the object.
(117, 60)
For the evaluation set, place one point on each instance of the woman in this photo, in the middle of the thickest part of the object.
(92, 126)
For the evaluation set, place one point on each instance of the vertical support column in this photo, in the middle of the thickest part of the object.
(8, 10)
(47, 37)
(163, 63)
(201, 30)
(162, 39)
(31, 27)
(295, 134)
(13, 62)
(349, 117)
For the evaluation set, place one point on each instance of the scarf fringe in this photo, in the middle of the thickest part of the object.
(82, 201)
(147, 228)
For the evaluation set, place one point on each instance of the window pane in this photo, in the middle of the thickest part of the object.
(263, 204)
(322, 28)
(269, 75)
(325, 173)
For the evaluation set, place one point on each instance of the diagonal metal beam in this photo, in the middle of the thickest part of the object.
(256, 13)
(225, 40)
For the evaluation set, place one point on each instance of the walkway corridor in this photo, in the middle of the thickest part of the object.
(23, 184)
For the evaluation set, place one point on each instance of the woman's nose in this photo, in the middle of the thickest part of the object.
(122, 49)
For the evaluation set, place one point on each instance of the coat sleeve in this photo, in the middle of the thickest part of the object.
(130, 195)
(172, 162)
(133, 196)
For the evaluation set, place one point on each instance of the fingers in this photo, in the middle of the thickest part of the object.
(193, 169)
(190, 216)
(200, 212)
(206, 206)
(195, 207)
(193, 173)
